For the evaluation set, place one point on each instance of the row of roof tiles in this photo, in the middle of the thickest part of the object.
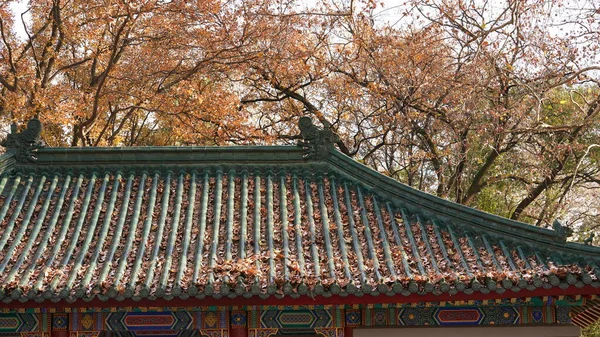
(233, 233)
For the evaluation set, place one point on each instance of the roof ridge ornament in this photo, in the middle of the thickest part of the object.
(590, 239)
(317, 142)
(24, 144)
(560, 230)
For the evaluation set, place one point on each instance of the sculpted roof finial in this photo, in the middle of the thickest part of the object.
(560, 230)
(24, 143)
(317, 142)
(590, 239)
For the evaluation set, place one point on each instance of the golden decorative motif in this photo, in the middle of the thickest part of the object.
(87, 321)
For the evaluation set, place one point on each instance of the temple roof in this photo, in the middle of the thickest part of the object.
(255, 222)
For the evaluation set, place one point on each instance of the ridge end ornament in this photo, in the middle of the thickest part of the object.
(24, 144)
(316, 142)
(589, 241)
(561, 231)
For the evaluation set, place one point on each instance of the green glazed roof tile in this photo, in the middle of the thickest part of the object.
(253, 221)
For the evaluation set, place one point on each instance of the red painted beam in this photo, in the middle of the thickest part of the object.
(303, 300)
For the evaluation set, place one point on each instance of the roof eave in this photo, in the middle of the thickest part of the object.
(240, 301)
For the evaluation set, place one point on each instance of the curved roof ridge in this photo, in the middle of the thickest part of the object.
(449, 211)
(167, 155)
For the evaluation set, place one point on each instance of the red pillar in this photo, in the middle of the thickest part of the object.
(348, 332)
(238, 332)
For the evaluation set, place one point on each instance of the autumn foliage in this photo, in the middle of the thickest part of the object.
(493, 104)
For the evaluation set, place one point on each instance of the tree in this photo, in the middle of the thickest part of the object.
(470, 100)
(489, 104)
(125, 73)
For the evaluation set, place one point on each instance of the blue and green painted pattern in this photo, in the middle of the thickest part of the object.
(60, 321)
(23, 322)
(149, 320)
(455, 316)
(297, 319)
(303, 319)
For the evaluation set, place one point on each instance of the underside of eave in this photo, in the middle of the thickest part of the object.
(186, 300)
(449, 212)
(587, 314)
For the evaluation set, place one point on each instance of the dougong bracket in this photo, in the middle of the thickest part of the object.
(25, 143)
(315, 141)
